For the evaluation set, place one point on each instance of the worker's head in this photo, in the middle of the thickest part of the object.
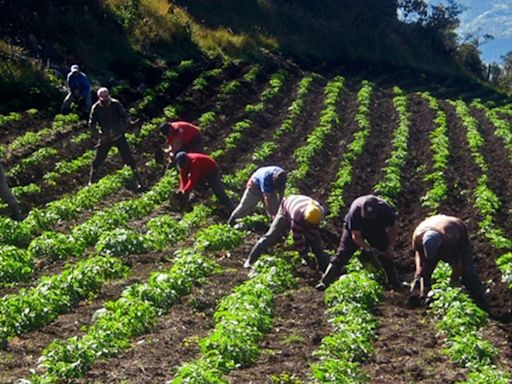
(369, 208)
(279, 180)
(431, 241)
(75, 69)
(313, 213)
(165, 129)
(182, 159)
(103, 95)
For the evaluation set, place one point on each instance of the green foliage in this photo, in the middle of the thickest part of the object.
(315, 141)
(354, 150)
(13, 232)
(218, 237)
(487, 375)
(54, 245)
(440, 145)
(121, 242)
(16, 264)
(350, 301)
(36, 307)
(391, 186)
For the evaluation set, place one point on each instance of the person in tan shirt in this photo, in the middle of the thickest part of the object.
(445, 238)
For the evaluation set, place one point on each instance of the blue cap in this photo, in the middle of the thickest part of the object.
(431, 243)
(181, 159)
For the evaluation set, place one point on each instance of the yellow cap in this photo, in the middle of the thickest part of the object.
(313, 213)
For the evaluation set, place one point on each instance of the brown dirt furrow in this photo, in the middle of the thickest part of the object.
(463, 176)
(174, 341)
(500, 169)
(367, 170)
(324, 166)
(299, 326)
(407, 348)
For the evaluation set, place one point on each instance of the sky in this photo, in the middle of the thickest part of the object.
(493, 17)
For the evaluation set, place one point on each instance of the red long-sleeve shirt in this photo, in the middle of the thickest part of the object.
(200, 166)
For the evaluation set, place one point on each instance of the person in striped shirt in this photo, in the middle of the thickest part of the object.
(266, 184)
(303, 216)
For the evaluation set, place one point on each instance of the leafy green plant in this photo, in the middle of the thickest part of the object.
(121, 242)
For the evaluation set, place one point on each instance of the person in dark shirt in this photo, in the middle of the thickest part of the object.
(445, 238)
(112, 119)
(8, 197)
(197, 167)
(79, 86)
(369, 225)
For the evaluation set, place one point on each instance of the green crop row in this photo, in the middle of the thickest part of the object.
(11, 117)
(440, 146)
(268, 148)
(460, 320)
(502, 127)
(350, 301)
(169, 78)
(135, 313)
(391, 185)
(242, 319)
(275, 85)
(227, 89)
(33, 308)
(35, 159)
(485, 200)
(353, 151)
(315, 141)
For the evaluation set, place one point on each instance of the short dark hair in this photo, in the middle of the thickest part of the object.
(164, 128)
(279, 180)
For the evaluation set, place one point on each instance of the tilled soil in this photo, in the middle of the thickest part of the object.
(407, 347)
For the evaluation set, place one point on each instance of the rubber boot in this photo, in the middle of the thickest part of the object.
(331, 274)
(15, 211)
(139, 182)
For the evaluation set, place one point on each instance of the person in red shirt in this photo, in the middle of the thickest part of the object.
(182, 136)
(197, 167)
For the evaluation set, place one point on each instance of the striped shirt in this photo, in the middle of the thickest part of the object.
(294, 207)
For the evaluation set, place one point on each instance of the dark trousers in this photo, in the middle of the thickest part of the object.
(8, 197)
(124, 149)
(214, 181)
(379, 241)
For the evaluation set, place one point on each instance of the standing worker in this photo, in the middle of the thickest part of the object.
(198, 167)
(303, 216)
(442, 237)
(369, 225)
(266, 184)
(182, 136)
(112, 118)
(79, 86)
(8, 197)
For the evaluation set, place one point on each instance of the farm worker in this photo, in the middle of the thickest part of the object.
(369, 225)
(442, 237)
(8, 197)
(266, 184)
(112, 118)
(303, 216)
(198, 167)
(182, 136)
(79, 86)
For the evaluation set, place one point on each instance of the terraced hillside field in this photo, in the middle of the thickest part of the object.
(104, 284)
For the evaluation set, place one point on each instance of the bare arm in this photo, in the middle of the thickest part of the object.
(392, 235)
(358, 238)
